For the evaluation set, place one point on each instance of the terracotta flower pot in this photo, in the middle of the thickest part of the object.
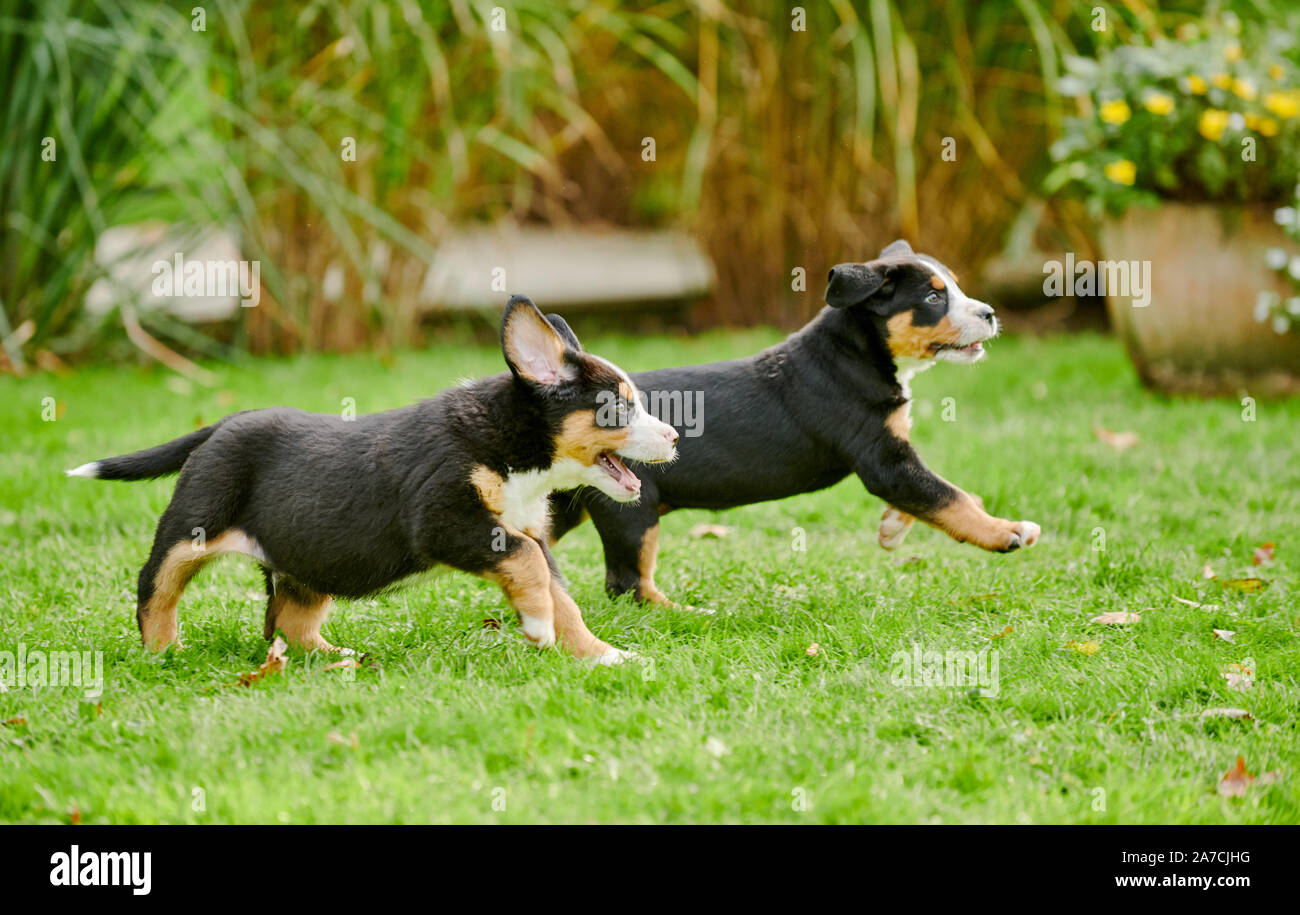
(1199, 335)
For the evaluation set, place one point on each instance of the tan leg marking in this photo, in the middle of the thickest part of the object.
(299, 613)
(965, 520)
(525, 578)
(159, 626)
(574, 636)
(646, 568)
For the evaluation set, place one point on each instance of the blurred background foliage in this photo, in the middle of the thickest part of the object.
(776, 148)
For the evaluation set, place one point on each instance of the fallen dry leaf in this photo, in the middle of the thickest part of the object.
(1090, 647)
(75, 817)
(274, 663)
(1206, 571)
(1120, 441)
(813, 650)
(1263, 554)
(1238, 676)
(351, 741)
(15, 723)
(1248, 585)
(1117, 618)
(346, 662)
(975, 600)
(1226, 635)
(1192, 603)
(1227, 713)
(1004, 633)
(700, 531)
(1236, 780)
(491, 622)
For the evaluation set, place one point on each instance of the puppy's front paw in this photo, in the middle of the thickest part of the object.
(612, 656)
(894, 527)
(539, 632)
(1023, 533)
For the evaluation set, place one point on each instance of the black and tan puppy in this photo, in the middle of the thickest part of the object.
(831, 400)
(334, 507)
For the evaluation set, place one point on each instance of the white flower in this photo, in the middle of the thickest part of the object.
(1264, 304)
(1284, 216)
(1294, 269)
(1275, 258)
(1293, 305)
(1236, 120)
(1281, 324)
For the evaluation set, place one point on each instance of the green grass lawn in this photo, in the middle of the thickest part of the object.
(732, 719)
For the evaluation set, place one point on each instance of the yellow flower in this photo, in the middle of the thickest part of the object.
(1122, 172)
(1283, 104)
(1212, 124)
(1196, 85)
(1268, 127)
(1244, 88)
(1116, 112)
(1275, 72)
(1159, 103)
(1232, 52)
(1221, 80)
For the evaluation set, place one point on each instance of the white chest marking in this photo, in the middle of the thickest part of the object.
(909, 368)
(525, 494)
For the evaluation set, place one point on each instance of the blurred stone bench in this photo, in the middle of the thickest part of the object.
(475, 268)
(571, 268)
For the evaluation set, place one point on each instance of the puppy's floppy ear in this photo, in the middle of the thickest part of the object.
(566, 333)
(896, 249)
(532, 347)
(849, 284)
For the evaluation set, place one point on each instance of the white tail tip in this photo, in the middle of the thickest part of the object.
(85, 470)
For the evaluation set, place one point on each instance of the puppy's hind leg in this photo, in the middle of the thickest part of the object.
(180, 550)
(298, 612)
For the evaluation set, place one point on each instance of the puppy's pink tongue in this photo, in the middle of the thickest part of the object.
(618, 470)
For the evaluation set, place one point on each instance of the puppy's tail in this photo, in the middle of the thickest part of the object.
(158, 461)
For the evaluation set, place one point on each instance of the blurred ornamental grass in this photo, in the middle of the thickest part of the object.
(778, 148)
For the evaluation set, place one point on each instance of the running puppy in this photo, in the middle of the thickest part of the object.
(331, 507)
(831, 400)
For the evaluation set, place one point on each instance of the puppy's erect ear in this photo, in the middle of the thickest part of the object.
(896, 249)
(533, 349)
(566, 333)
(849, 284)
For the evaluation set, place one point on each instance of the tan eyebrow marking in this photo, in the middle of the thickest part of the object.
(625, 391)
(936, 281)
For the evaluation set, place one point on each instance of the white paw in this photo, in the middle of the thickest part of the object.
(689, 608)
(1029, 533)
(893, 528)
(614, 656)
(539, 632)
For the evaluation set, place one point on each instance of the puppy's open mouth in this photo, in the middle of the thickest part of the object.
(610, 462)
(970, 348)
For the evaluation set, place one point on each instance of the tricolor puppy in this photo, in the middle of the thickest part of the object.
(831, 400)
(333, 507)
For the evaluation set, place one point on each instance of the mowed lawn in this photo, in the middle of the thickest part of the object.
(735, 717)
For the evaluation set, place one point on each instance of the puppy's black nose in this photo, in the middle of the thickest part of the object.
(985, 312)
